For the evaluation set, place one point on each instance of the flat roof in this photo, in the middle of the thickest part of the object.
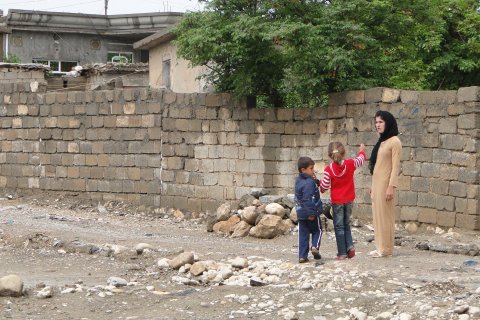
(154, 39)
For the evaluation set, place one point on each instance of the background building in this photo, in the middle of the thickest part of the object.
(64, 40)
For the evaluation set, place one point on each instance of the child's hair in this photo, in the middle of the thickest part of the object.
(304, 162)
(336, 152)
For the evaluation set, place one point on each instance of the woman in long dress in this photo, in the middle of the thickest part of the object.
(384, 166)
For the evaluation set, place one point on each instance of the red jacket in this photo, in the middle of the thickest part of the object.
(339, 178)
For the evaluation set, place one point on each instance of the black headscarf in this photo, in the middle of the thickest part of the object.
(391, 130)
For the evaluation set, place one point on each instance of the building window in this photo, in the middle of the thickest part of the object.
(57, 66)
(121, 57)
(166, 73)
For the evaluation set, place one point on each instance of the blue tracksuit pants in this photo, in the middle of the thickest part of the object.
(305, 229)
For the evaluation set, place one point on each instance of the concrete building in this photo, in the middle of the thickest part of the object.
(166, 69)
(63, 40)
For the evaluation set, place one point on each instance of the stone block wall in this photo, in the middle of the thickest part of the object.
(196, 151)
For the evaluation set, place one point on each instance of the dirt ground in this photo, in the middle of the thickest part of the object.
(53, 241)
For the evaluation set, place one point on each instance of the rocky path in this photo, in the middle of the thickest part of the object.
(93, 262)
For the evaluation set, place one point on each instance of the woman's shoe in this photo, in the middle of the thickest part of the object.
(376, 254)
(340, 257)
(351, 253)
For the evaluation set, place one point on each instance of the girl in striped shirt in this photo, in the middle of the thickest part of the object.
(338, 176)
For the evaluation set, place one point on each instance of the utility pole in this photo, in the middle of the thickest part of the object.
(106, 6)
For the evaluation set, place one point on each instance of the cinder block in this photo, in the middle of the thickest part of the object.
(420, 184)
(446, 203)
(469, 121)
(428, 200)
(448, 125)
(458, 189)
(335, 112)
(437, 98)
(61, 97)
(473, 207)
(452, 142)
(468, 94)
(284, 114)
(465, 221)
(407, 198)
(446, 219)
(337, 99)
(427, 215)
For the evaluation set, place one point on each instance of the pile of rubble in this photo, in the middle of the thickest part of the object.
(258, 215)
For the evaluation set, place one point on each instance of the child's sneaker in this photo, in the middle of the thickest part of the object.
(351, 253)
(302, 260)
(316, 254)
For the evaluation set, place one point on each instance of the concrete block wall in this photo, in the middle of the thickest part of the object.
(196, 151)
(18, 80)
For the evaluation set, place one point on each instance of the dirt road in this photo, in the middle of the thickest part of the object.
(74, 247)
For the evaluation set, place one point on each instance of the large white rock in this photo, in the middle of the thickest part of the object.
(11, 286)
(240, 263)
(163, 263)
(275, 209)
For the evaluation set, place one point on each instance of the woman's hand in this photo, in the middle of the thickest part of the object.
(389, 193)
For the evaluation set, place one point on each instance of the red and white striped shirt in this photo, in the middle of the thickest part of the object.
(339, 178)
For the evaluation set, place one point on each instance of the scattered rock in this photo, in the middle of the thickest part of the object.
(357, 314)
(239, 263)
(181, 259)
(198, 268)
(139, 248)
(45, 293)
(411, 227)
(117, 282)
(163, 263)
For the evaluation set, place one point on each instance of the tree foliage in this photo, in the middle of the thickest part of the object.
(294, 52)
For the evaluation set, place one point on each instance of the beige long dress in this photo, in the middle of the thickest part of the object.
(385, 173)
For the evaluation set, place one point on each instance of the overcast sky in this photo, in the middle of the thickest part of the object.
(98, 6)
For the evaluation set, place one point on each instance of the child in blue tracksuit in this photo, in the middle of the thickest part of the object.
(308, 206)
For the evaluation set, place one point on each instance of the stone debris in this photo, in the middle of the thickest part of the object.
(117, 282)
(254, 286)
(45, 293)
(458, 248)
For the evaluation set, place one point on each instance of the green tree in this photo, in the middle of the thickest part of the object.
(294, 52)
